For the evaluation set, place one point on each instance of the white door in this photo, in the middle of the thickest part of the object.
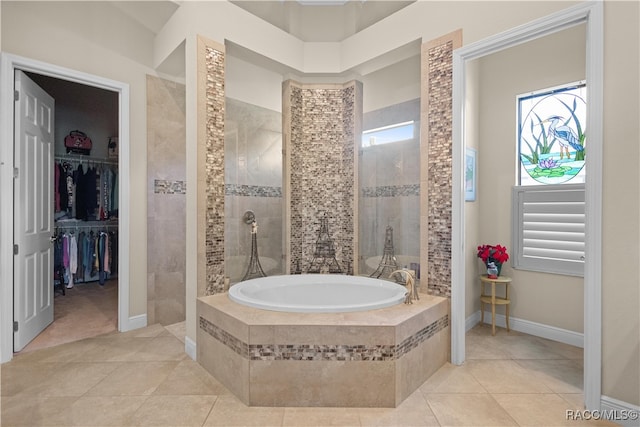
(33, 211)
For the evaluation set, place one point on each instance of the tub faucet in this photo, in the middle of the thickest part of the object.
(410, 283)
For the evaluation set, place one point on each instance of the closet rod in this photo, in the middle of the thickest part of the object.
(67, 158)
(66, 226)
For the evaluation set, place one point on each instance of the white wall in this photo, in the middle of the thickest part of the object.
(549, 299)
(41, 31)
(253, 84)
(621, 204)
(394, 84)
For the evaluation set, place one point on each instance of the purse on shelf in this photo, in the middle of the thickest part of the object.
(78, 142)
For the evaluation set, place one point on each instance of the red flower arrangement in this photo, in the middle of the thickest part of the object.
(493, 253)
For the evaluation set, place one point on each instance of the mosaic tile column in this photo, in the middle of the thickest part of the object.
(210, 185)
(321, 125)
(436, 166)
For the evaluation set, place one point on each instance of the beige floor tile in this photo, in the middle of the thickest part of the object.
(134, 378)
(452, 379)
(179, 330)
(147, 332)
(485, 330)
(18, 377)
(575, 400)
(173, 411)
(104, 410)
(468, 410)
(87, 310)
(228, 411)
(525, 347)
(71, 379)
(115, 348)
(35, 411)
(412, 412)
(542, 410)
(160, 348)
(189, 378)
(506, 376)
(565, 350)
(320, 417)
(561, 376)
(63, 353)
(485, 347)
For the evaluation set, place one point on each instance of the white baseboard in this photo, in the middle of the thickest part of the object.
(620, 412)
(529, 327)
(190, 347)
(472, 321)
(134, 322)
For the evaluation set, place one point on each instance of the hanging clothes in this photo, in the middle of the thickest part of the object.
(73, 259)
(80, 268)
(56, 187)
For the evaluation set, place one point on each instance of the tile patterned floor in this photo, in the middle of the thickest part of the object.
(86, 310)
(144, 378)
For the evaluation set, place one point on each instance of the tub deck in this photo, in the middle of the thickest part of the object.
(370, 358)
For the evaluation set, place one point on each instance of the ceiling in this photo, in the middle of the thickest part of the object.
(322, 20)
(307, 20)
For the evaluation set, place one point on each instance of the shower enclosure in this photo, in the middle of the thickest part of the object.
(390, 185)
(253, 182)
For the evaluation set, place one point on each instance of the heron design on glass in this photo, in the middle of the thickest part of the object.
(552, 136)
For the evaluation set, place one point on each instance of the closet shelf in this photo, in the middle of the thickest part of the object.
(86, 159)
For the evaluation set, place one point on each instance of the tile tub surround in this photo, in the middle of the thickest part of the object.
(320, 124)
(362, 359)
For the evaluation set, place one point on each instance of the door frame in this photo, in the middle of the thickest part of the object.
(8, 64)
(591, 14)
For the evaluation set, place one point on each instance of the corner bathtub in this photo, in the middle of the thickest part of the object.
(363, 357)
(317, 293)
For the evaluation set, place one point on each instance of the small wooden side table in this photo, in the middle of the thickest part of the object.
(493, 299)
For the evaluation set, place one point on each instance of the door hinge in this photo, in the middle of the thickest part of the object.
(15, 249)
(16, 95)
(15, 326)
(16, 172)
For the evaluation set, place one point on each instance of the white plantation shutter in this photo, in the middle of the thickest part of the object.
(548, 228)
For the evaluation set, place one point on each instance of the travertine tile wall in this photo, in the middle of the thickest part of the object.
(320, 127)
(436, 146)
(210, 185)
(166, 202)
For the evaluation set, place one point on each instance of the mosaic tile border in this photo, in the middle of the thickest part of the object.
(252, 190)
(163, 186)
(323, 352)
(392, 191)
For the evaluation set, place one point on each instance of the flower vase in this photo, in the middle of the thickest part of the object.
(493, 269)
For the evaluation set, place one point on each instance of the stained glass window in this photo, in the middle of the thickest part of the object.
(551, 135)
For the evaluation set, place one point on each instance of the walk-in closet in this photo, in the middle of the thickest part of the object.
(85, 198)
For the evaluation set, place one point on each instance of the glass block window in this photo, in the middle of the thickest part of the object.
(551, 135)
